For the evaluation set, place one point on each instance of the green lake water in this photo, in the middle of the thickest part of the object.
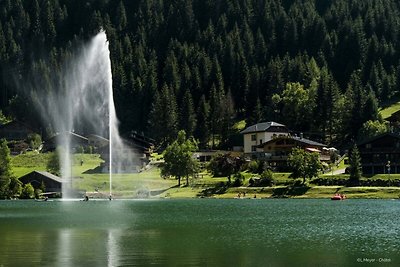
(200, 232)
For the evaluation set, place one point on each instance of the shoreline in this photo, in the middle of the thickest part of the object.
(277, 192)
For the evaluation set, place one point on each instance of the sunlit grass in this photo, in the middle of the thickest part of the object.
(128, 185)
(240, 125)
(386, 112)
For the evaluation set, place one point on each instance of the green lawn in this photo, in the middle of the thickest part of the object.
(149, 181)
(28, 162)
(84, 178)
(386, 112)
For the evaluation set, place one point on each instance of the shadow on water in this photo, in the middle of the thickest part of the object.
(288, 191)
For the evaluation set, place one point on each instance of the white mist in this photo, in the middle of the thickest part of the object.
(84, 102)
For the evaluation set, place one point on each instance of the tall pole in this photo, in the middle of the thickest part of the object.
(110, 140)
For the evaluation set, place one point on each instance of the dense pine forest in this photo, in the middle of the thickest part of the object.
(320, 67)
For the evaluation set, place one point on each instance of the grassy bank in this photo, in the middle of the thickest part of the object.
(286, 192)
(149, 183)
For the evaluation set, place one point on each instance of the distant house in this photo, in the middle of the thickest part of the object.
(140, 141)
(15, 131)
(76, 141)
(51, 182)
(260, 133)
(380, 154)
(277, 150)
(131, 157)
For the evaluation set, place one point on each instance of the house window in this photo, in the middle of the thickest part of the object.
(253, 137)
(368, 145)
(253, 148)
(260, 141)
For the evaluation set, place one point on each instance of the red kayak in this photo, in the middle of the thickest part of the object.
(338, 197)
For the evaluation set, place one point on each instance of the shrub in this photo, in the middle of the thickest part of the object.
(28, 191)
(34, 140)
(253, 166)
(238, 179)
(89, 150)
(79, 150)
(267, 178)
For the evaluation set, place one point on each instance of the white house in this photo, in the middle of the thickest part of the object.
(260, 133)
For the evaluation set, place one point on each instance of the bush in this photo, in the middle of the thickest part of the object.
(34, 140)
(28, 191)
(38, 193)
(89, 150)
(238, 179)
(267, 178)
(79, 150)
(253, 166)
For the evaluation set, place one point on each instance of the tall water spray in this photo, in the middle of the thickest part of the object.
(83, 103)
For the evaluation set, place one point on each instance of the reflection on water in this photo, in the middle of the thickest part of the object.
(198, 233)
(113, 238)
(64, 254)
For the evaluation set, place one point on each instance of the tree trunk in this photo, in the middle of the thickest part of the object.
(179, 181)
(187, 180)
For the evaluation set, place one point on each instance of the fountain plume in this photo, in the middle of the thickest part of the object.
(83, 102)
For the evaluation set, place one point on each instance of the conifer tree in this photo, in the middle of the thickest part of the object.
(203, 125)
(5, 169)
(163, 115)
(188, 116)
(121, 17)
(355, 166)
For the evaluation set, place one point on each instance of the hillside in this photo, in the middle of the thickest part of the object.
(320, 67)
(385, 112)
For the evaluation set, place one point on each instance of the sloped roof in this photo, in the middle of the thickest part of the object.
(308, 141)
(50, 176)
(45, 174)
(298, 139)
(261, 127)
(372, 139)
(15, 123)
(97, 137)
(75, 135)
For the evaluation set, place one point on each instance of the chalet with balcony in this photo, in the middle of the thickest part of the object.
(258, 134)
(380, 154)
(277, 150)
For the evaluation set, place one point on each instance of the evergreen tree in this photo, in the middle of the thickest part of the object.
(188, 116)
(163, 115)
(121, 17)
(215, 115)
(5, 169)
(202, 127)
(354, 166)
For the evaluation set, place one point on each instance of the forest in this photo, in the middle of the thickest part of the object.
(323, 68)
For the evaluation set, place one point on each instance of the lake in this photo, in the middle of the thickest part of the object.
(200, 232)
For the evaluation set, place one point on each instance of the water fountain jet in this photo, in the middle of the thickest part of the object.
(84, 103)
